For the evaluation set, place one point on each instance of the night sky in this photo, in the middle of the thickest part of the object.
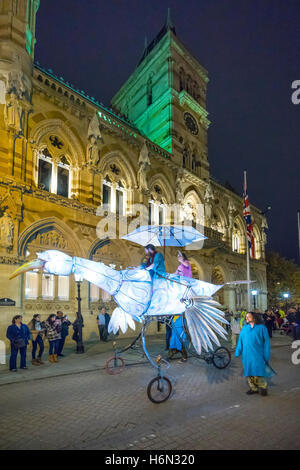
(251, 50)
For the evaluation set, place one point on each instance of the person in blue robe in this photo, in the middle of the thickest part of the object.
(155, 262)
(178, 339)
(254, 346)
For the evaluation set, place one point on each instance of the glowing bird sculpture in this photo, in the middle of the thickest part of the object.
(139, 296)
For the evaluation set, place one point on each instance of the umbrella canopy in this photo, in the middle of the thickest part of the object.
(165, 235)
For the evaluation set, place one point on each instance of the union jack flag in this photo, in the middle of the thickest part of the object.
(248, 220)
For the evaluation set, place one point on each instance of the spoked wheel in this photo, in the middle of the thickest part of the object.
(221, 358)
(159, 389)
(115, 365)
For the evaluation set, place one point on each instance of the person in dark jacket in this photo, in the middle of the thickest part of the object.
(107, 320)
(36, 331)
(65, 323)
(293, 317)
(18, 335)
(269, 319)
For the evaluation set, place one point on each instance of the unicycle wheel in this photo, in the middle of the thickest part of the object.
(159, 389)
(115, 365)
(221, 358)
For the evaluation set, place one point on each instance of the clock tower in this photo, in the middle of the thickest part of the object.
(165, 98)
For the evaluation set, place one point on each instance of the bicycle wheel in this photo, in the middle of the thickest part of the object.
(114, 365)
(221, 358)
(159, 389)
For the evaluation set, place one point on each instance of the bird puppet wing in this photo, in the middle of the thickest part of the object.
(204, 323)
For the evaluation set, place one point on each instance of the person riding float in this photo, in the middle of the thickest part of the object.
(178, 336)
(155, 263)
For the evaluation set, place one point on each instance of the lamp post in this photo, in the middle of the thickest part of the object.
(79, 319)
(286, 296)
(254, 293)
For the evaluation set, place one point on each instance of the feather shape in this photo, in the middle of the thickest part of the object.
(120, 319)
(203, 321)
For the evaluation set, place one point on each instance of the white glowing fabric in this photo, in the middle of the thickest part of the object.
(138, 296)
(165, 235)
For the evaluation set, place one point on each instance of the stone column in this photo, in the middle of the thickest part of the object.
(229, 298)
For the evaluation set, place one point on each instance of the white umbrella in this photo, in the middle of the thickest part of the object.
(165, 235)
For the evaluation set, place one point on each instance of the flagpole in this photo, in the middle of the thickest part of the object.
(247, 253)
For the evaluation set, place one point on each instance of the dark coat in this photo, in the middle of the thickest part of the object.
(14, 333)
(107, 320)
(65, 328)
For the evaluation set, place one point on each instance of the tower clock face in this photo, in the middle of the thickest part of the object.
(191, 123)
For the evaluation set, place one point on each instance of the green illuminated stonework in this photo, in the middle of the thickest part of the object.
(167, 83)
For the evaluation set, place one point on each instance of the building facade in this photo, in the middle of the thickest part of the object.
(75, 176)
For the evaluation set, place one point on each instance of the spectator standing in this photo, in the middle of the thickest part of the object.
(269, 319)
(102, 325)
(37, 331)
(293, 317)
(53, 336)
(18, 335)
(65, 323)
(280, 318)
(243, 318)
(235, 330)
(228, 317)
(254, 346)
(107, 320)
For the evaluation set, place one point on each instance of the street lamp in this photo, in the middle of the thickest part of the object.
(79, 318)
(254, 293)
(286, 296)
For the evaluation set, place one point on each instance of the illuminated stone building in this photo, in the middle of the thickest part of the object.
(64, 156)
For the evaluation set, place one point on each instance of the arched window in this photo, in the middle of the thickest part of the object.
(54, 176)
(106, 193)
(193, 162)
(63, 177)
(149, 92)
(257, 243)
(161, 213)
(235, 242)
(237, 237)
(120, 199)
(45, 171)
(189, 86)
(181, 79)
(151, 211)
(156, 212)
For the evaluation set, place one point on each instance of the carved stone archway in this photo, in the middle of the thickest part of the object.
(44, 232)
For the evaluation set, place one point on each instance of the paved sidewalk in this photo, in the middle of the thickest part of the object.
(208, 408)
(94, 358)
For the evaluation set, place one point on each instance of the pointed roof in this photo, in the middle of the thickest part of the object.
(168, 26)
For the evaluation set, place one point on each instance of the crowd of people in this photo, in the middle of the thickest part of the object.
(250, 332)
(287, 323)
(55, 330)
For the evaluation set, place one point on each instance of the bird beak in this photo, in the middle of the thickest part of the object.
(29, 266)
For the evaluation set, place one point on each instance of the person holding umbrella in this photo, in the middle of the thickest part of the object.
(178, 335)
(155, 262)
(184, 268)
